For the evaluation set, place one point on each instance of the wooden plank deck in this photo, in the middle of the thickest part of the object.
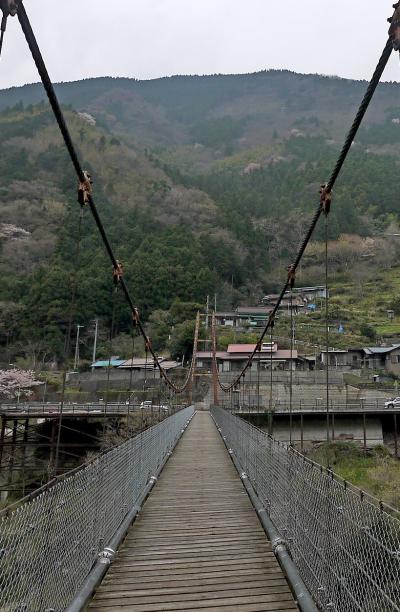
(198, 544)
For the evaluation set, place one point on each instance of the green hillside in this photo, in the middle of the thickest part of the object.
(205, 185)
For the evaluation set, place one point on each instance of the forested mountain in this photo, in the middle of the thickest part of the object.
(243, 109)
(205, 185)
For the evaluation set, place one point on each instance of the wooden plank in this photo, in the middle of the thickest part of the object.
(260, 586)
(236, 603)
(219, 579)
(198, 543)
(175, 565)
(161, 572)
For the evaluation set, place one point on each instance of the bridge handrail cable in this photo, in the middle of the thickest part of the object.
(50, 543)
(344, 542)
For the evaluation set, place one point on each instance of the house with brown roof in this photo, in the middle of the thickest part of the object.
(236, 356)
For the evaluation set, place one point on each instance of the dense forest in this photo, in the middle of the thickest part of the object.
(204, 188)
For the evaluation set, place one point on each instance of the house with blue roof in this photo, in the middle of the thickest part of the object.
(370, 357)
(114, 362)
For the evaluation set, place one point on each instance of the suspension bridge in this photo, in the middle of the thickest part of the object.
(201, 510)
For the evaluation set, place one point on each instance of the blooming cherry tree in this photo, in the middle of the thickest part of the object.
(15, 382)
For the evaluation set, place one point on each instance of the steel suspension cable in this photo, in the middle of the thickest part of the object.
(55, 105)
(325, 196)
(2, 32)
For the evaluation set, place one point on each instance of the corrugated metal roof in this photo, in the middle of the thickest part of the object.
(104, 363)
(380, 350)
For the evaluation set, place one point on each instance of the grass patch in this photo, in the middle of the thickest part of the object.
(377, 472)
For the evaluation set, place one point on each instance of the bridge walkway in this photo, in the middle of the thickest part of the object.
(198, 543)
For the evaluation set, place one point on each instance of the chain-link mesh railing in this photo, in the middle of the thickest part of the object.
(49, 544)
(345, 543)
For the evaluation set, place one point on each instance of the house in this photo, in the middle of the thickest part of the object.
(382, 358)
(311, 293)
(141, 363)
(297, 301)
(244, 316)
(236, 356)
(337, 358)
(371, 357)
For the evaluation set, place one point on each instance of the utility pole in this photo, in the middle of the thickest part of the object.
(207, 310)
(95, 342)
(215, 302)
(76, 360)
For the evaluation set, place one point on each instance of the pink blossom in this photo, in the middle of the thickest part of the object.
(14, 382)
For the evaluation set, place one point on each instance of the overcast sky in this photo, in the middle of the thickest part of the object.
(151, 38)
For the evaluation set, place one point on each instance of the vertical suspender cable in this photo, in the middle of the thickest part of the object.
(291, 370)
(258, 380)
(327, 328)
(114, 297)
(270, 417)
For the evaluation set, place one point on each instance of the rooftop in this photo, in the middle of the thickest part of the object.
(105, 363)
(380, 350)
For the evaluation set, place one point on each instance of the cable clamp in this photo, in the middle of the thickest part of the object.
(85, 189)
(135, 316)
(118, 272)
(325, 199)
(394, 30)
(291, 275)
(9, 8)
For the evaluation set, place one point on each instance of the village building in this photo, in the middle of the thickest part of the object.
(372, 358)
(244, 317)
(236, 356)
(137, 364)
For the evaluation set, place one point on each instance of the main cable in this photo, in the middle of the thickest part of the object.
(55, 105)
(324, 203)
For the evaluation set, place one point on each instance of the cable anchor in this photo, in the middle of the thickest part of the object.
(394, 30)
(325, 199)
(85, 189)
